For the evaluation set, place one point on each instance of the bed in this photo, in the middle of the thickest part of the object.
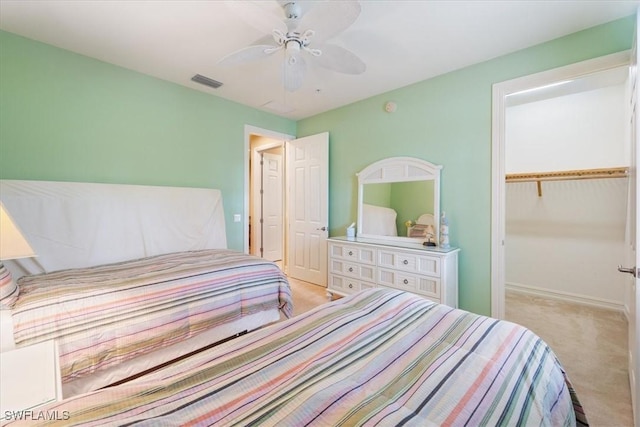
(110, 321)
(377, 357)
(130, 277)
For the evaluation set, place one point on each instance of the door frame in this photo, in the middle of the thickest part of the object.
(256, 154)
(248, 131)
(498, 139)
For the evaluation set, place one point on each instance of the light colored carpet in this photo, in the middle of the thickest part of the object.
(591, 344)
(306, 295)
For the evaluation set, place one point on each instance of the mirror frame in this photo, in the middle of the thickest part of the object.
(400, 169)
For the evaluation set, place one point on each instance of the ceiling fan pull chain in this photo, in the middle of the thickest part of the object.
(314, 52)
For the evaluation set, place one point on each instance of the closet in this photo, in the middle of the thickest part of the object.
(566, 159)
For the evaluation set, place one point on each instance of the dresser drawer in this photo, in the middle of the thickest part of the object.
(409, 262)
(422, 285)
(361, 254)
(347, 285)
(359, 263)
(352, 269)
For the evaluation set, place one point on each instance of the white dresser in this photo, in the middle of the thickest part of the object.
(360, 263)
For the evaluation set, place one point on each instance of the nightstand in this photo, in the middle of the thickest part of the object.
(29, 378)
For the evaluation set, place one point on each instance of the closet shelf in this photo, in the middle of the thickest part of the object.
(538, 177)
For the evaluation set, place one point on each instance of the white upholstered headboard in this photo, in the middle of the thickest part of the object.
(378, 220)
(71, 224)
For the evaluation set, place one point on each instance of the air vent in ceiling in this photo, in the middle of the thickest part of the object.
(206, 81)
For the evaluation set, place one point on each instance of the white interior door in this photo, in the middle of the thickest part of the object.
(256, 203)
(272, 206)
(308, 207)
(634, 254)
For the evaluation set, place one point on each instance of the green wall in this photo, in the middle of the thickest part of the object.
(71, 118)
(377, 194)
(408, 207)
(67, 117)
(447, 120)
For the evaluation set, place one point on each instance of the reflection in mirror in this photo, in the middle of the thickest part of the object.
(409, 200)
(399, 199)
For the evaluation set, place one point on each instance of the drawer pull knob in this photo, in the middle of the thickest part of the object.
(406, 282)
(350, 285)
(351, 269)
(350, 252)
(405, 262)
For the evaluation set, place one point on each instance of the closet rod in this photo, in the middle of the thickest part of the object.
(620, 172)
(572, 174)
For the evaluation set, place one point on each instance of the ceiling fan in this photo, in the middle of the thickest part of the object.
(299, 36)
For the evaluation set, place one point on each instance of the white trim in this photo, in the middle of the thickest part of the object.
(248, 131)
(565, 296)
(399, 169)
(500, 91)
(269, 146)
(498, 232)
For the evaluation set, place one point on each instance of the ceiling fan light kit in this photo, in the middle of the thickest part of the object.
(292, 10)
(298, 35)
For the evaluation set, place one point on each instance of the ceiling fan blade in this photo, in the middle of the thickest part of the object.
(247, 54)
(339, 59)
(265, 40)
(293, 72)
(254, 14)
(329, 18)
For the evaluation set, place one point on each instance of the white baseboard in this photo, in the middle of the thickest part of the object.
(566, 296)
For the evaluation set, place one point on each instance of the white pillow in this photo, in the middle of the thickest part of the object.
(8, 289)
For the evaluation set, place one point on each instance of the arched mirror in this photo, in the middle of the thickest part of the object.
(399, 199)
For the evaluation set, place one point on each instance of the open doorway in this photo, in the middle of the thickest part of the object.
(569, 231)
(501, 91)
(266, 199)
(305, 201)
(265, 236)
(566, 161)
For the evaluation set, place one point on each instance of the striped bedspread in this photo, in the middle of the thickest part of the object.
(107, 314)
(378, 357)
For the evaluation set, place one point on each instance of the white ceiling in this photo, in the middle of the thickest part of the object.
(599, 80)
(401, 42)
